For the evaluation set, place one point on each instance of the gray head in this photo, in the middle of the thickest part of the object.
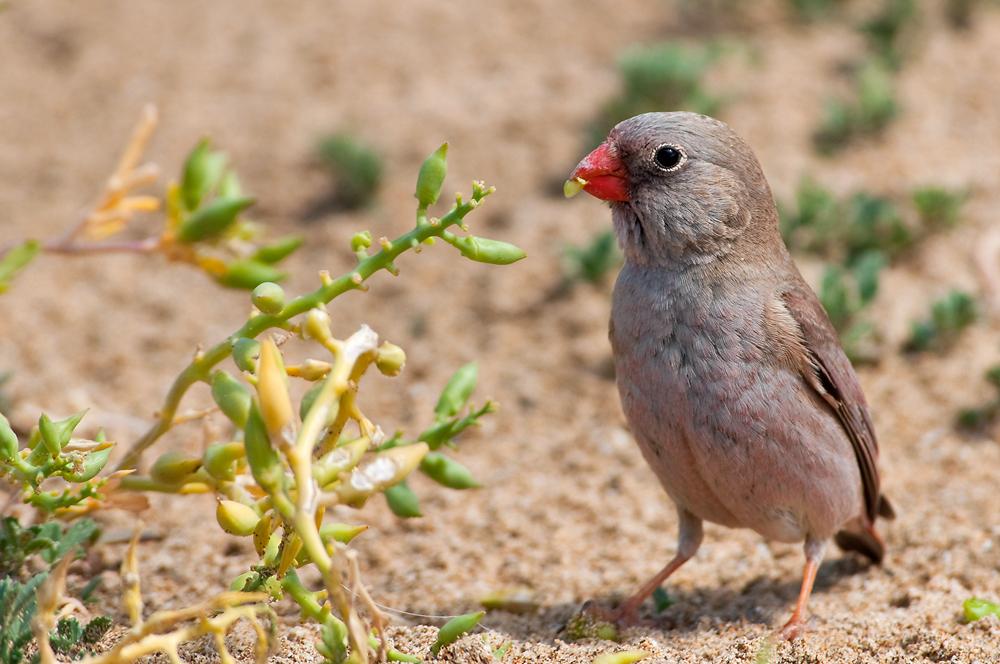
(683, 188)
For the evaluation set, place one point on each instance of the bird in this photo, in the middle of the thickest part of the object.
(730, 375)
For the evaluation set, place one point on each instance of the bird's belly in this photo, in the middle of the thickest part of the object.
(741, 443)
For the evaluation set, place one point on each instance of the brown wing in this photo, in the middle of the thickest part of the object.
(834, 379)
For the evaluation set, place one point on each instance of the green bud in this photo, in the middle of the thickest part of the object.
(9, 445)
(402, 501)
(202, 170)
(172, 467)
(361, 240)
(452, 630)
(340, 532)
(447, 472)
(485, 250)
(265, 464)
(623, 657)
(232, 397)
(431, 177)
(55, 435)
(269, 297)
(248, 274)
(390, 359)
(236, 518)
(458, 390)
(975, 608)
(220, 458)
(92, 464)
(245, 353)
(345, 457)
(212, 219)
(279, 249)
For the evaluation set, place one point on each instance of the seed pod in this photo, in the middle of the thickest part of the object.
(457, 392)
(310, 370)
(212, 219)
(56, 434)
(265, 464)
(317, 325)
(485, 250)
(236, 518)
(269, 297)
(380, 472)
(245, 353)
(448, 472)
(623, 657)
(402, 501)
(172, 467)
(9, 445)
(272, 391)
(232, 397)
(340, 532)
(452, 630)
(248, 274)
(279, 249)
(202, 169)
(344, 457)
(220, 459)
(431, 177)
(390, 359)
(262, 534)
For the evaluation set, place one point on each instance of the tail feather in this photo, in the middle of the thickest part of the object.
(861, 537)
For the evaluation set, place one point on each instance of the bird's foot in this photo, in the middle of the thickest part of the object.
(793, 629)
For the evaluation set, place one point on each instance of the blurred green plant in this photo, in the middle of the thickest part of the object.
(949, 316)
(593, 261)
(846, 293)
(938, 208)
(621, 657)
(205, 223)
(355, 168)
(50, 541)
(661, 77)
(979, 417)
(869, 110)
(814, 10)
(885, 29)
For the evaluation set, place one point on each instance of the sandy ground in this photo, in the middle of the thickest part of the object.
(569, 511)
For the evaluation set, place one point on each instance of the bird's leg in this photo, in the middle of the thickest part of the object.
(814, 556)
(688, 540)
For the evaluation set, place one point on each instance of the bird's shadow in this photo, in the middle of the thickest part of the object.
(763, 600)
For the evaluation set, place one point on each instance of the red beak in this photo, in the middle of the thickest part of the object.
(604, 174)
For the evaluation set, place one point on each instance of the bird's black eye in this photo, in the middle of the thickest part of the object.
(668, 157)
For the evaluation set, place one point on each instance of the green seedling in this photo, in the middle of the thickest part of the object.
(355, 168)
(454, 629)
(661, 77)
(885, 29)
(869, 110)
(50, 541)
(948, 318)
(583, 625)
(593, 261)
(846, 293)
(974, 609)
(978, 418)
(938, 208)
(661, 600)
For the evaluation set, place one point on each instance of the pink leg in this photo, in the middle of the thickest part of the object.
(688, 541)
(796, 625)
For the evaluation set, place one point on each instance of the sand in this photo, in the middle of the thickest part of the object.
(568, 510)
